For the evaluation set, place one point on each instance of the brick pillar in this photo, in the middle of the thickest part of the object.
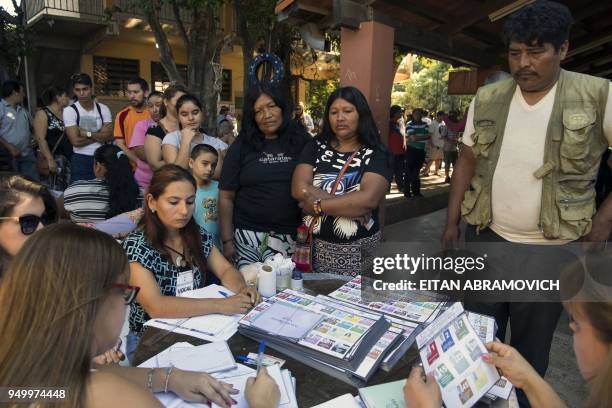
(366, 62)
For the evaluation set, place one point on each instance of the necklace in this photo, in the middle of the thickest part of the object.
(180, 260)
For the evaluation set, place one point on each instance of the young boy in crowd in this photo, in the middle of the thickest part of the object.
(202, 163)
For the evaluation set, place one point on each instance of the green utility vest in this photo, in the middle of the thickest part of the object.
(572, 154)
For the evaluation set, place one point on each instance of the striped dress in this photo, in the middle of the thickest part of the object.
(87, 201)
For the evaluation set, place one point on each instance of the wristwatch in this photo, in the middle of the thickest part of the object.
(88, 135)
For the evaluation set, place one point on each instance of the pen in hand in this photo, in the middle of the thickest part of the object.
(260, 352)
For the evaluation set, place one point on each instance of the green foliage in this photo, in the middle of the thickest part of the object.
(427, 88)
(14, 44)
(317, 94)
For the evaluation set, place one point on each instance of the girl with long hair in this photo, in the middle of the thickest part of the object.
(167, 123)
(46, 293)
(177, 146)
(143, 172)
(170, 254)
(258, 217)
(114, 190)
(340, 183)
(25, 206)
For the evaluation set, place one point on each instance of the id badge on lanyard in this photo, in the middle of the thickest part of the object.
(184, 282)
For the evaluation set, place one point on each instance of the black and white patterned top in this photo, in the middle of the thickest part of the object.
(327, 163)
(165, 272)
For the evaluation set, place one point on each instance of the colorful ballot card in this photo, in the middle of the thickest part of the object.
(451, 350)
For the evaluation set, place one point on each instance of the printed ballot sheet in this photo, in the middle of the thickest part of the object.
(452, 351)
(287, 320)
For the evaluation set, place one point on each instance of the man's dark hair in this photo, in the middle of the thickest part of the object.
(82, 79)
(539, 23)
(139, 81)
(10, 86)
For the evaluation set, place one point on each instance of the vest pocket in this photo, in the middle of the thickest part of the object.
(576, 208)
(578, 125)
(484, 136)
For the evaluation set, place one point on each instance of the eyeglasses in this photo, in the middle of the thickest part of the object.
(28, 223)
(129, 292)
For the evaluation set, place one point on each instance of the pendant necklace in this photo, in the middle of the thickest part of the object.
(180, 260)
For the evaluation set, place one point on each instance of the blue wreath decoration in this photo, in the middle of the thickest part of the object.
(277, 65)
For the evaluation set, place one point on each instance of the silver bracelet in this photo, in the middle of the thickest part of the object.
(168, 372)
(150, 379)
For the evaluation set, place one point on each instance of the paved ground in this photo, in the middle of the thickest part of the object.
(563, 372)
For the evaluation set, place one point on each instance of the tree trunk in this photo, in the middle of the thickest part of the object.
(166, 58)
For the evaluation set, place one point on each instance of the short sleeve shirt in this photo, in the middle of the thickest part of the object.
(157, 131)
(327, 163)
(89, 121)
(174, 139)
(262, 182)
(139, 250)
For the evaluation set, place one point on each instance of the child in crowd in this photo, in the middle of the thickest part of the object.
(203, 162)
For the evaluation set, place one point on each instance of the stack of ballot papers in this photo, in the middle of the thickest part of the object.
(343, 401)
(404, 306)
(212, 327)
(305, 328)
(217, 360)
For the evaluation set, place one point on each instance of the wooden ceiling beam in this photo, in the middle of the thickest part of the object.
(473, 16)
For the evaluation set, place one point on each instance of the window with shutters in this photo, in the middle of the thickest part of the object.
(159, 78)
(111, 75)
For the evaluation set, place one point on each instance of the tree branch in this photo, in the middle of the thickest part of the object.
(179, 23)
(166, 57)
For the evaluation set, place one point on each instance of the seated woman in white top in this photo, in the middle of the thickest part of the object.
(177, 146)
(114, 190)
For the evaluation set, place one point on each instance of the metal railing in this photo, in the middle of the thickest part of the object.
(83, 9)
(166, 14)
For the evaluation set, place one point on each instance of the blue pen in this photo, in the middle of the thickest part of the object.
(222, 293)
(260, 352)
(246, 360)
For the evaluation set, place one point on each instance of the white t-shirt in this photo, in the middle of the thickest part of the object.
(174, 139)
(439, 133)
(516, 192)
(89, 121)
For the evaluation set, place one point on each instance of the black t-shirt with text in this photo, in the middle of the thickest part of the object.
(262, 182)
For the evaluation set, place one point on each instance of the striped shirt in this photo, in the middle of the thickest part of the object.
(417, 130)
(88, 200)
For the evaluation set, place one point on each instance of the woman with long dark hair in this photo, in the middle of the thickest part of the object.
(170, 254)
(340, 182)
(69, 314)
(177, 146)
(50, 136)
(114, 190)
(258, 216)
(167, 124)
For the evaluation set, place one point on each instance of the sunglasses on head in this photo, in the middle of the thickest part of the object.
(129, 292)
(28, 222)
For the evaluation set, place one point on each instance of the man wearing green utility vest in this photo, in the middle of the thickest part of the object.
(532, 149)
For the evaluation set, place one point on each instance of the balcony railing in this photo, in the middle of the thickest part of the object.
(81, 9)
(166, 13)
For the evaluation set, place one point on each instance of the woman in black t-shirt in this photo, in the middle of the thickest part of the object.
(340, 181)
(258, 216)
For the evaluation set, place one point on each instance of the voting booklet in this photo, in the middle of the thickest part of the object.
(384, 395)
(400, 306)
(337, 335)
(451, 350)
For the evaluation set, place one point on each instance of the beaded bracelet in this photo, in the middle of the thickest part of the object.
(168, 372)
(316, 205)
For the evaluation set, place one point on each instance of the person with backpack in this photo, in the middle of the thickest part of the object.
(88, 125)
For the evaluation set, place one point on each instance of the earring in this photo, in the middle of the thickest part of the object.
(153, 210)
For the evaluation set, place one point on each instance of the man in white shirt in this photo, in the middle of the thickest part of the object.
(436, 144)
(89, 124)
(532, 146)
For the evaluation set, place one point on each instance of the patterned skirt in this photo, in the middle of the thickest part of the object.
(348, 259)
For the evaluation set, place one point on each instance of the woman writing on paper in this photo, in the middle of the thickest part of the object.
(170, 254)
(340, 181)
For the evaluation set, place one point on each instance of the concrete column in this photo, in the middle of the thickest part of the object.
(366, 62)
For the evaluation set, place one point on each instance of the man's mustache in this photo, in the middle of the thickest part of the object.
(525, 72)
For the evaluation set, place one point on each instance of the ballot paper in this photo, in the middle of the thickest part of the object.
(287, 320)
(212, 327)
(344, 401)
(208, 358)
(451, 350)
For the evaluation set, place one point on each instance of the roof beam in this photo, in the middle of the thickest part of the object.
(350, 14)
(435, 44)
(594, 59)
(606, 38)
(464, 21)
(603, 70)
